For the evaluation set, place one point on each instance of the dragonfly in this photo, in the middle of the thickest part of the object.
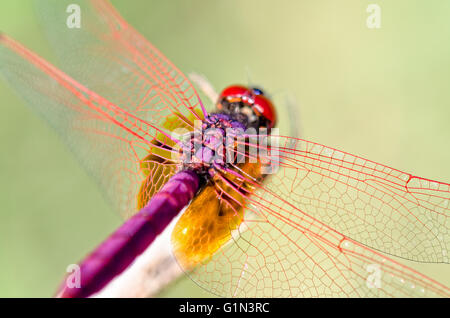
(290, 218)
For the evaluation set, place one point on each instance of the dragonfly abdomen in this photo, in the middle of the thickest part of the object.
(117, 252)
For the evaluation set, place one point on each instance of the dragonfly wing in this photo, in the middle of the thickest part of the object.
(157, 170)
(319, 226)
(109, 141)
(111, 58)
(275, 258)
(384, 208)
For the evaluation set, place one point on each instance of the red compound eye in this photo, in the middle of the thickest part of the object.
(254, 97)
(263, 107)
(237, 91)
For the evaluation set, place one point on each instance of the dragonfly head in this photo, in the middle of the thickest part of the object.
(249, 105)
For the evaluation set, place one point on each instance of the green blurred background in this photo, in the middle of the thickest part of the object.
(379, 93)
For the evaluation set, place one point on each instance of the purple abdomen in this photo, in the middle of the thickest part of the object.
(119, 250)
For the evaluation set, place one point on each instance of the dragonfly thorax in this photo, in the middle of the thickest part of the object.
(212, 144)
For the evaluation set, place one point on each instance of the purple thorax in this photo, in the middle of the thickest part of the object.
(207, 148)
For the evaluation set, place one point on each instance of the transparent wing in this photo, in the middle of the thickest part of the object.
(381, 207)
(131, 79)
(319, 226)
(110, 141)
(111, 58)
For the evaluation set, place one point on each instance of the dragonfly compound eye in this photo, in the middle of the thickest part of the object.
(265, 110)
(235, 92)
(250, 103)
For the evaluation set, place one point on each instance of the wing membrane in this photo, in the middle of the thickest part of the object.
(109, 141)
(107, 55)
(381, 207)
(137, 91)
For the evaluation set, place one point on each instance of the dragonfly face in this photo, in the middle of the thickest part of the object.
(248, 105)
